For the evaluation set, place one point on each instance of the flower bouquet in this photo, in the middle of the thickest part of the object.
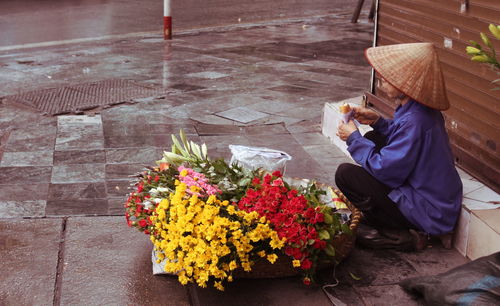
(209, 220)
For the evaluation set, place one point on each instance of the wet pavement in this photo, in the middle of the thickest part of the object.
(34, 21)
(64, 178)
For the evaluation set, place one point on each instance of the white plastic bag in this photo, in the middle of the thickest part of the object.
(256, 157)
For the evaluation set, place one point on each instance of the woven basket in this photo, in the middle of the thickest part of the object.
(343, 244)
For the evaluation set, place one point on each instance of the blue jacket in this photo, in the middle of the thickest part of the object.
(417, 164)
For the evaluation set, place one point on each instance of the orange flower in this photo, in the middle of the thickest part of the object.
(164, 166)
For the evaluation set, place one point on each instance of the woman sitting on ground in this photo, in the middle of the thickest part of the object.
(406, 186)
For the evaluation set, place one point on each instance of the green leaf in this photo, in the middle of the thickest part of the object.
(472, 50)
(331, 231)
(184, 140)
(196, 150)
(480, 58)
(323, 235)
(485, 39)
(175, 150)
(219, 168)
(328, 218)
(330, 250)
(204, 151)
(354, 276)
(345, 228)
(244, 182)
(336, 222)
(310, 242)
(494, 30)
(179, 147)
(475, 44)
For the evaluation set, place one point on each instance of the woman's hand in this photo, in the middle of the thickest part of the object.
(365, 115)
(344, 130)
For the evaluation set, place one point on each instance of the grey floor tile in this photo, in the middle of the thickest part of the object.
(29, 281)
(381, 295)
(123, 171)
(79, 157)
(91, 242)
(77, 191)
(33, 158)
(77, 173)
(266, 129)
(76, 207)
(278, 291)
(146, 155)
(25, 175)
(24, 192)
(22, 209)
(116, 207)
(79, 140)
(79, 132)
(242, 114)
(309, 139)
(45, 142)
(204, 129)
(119, 188)
(158, 141)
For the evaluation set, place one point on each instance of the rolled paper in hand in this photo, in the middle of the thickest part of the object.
(347, 113)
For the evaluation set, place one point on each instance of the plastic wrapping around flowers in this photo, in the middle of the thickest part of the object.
(208, 219)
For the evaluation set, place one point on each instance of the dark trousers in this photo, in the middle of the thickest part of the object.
(369, 195)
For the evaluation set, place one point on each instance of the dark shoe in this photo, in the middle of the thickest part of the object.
(401, 240)
(420, 240)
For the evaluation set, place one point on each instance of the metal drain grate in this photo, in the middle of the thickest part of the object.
(72, 99)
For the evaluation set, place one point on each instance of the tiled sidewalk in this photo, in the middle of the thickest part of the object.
(63, 179)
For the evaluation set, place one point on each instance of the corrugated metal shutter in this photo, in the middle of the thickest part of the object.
(473, 119)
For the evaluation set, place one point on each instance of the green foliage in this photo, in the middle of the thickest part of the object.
(486, 54)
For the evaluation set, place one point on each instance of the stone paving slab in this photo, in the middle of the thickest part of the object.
(78, 173)
(25, 175)
(123, 171)
(79, 132)
(31, 142)
(119, 188)
(107, 263)
(77, 207)
(272, 292)
(77, 191)
(20, 159)
(22, 209)
(23, 192)
(133, 155)
(79, 156)
(29, 251)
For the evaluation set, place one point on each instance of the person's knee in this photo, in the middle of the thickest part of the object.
(343, 171)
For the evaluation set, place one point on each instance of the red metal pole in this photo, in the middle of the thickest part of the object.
(167, 20)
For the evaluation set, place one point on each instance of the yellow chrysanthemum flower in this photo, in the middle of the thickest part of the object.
(272, 258)
(233, 265)
(219, 286)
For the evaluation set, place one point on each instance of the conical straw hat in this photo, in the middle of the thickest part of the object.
(413, 69)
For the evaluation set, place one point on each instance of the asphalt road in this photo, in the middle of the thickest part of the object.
(36, 21)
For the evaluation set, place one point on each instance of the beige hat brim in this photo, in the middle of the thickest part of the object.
(414, 69)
